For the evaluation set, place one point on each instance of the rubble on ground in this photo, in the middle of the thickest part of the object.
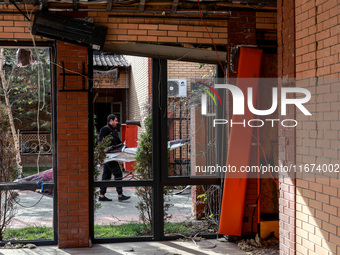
(266, 246)
(9, 245)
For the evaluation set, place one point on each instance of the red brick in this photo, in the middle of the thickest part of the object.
(186, 40)
(204, 29)
(157, 33)
(147, 38)
(196, 34)
(168, 27)
(177, 33)
(167, 39)
(137, 32)
(7, 35)
(68, 243)
(14, 29)
(148, 27)
(186, 28)
(77, 107)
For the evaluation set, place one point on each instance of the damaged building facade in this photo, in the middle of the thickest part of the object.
(299, 39)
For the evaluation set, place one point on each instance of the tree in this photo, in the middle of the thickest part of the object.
(143, 168)
(5, 86)
(7, 171)
(26, 92)
(29, 89)
(98, 159)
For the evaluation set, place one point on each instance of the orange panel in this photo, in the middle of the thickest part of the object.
(234, 191)
(122, 132)
(130, 141)
(131, 135)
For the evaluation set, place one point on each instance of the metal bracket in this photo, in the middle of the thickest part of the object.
(75, 5)
(234, 54)
(64, 74)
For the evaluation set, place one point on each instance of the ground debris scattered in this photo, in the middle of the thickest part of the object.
(9, 245)
(199, 241)
(222, 239)
(267, 246)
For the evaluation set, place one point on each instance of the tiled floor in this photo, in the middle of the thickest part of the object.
(141, 248)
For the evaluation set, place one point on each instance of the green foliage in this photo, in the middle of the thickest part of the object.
(184, 228)
(29, 233)
(23, 89)
(99, 154)
(124, 230)
(143, 169)
(201, 65)
(202, 199)
(143, 157)
(33, 170)
(100, 231)
(136, 229)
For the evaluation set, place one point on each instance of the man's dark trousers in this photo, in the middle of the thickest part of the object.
(112, 168)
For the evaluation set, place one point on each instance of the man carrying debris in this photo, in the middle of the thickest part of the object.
(111, 168)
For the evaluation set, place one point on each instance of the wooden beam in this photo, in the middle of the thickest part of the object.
(142, 5)
(75, 5)
(254, 6)
(167, 52)
(174, 5)
(109, 5)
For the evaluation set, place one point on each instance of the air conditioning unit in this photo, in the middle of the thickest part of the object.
(177, 88)
(69, 30)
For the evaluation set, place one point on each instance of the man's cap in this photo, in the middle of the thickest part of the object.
(111, 117)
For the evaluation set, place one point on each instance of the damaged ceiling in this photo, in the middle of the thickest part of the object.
(185, 9)
(150, 6)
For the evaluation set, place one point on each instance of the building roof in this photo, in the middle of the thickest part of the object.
(101, 59)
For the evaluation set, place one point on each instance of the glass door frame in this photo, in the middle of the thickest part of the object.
(159, 162)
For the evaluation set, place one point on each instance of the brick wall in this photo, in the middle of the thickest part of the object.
(72, 151)
(139, 88)
(314, 227)
(161, 29)
(122, 81)
(242, 28)
(135, 28)
(266, 26)
(13, 26)
(72, 161)
(189, 71)
(317, 138)
(266, 20)
(286, 69)
(179, 107)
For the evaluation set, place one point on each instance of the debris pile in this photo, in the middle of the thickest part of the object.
(266, 246)
(9, 245)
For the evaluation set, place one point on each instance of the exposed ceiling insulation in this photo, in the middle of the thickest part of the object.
(150, 6)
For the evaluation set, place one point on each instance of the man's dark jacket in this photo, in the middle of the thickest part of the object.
(109, 130)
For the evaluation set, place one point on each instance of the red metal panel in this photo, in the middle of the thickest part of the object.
(131, 135)
(130, 141)
(234, 191)
(123, 132)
